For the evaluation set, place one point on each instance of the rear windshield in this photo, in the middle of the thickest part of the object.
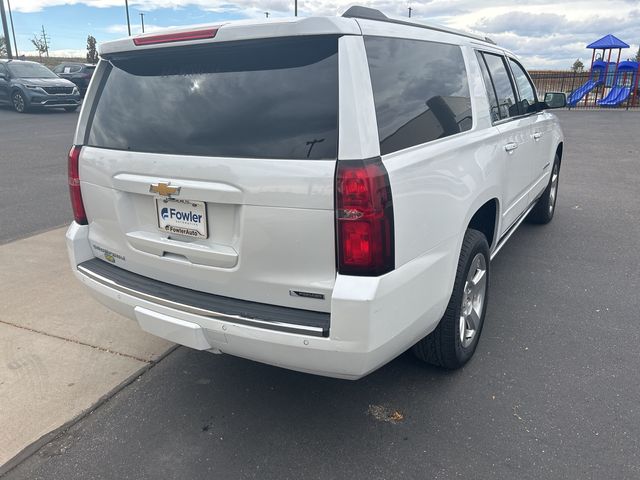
(275, 98)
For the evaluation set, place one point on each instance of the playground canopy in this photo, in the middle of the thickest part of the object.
(608, 41)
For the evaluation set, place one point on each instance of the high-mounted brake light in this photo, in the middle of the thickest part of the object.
(79, 214)
(176, 37)
(364, 218)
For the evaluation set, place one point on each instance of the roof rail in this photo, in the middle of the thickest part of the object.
(367, 13)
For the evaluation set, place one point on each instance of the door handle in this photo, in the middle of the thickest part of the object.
(536, 136)
(510, 147)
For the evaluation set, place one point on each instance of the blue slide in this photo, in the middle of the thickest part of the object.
(616, 96)
(597, 78)
(622, 85)
(581, 91)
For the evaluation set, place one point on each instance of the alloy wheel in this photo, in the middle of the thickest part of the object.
(553, 192)
(473, 297)
(18, 102)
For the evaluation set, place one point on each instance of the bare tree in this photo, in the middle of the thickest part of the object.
(40, 44)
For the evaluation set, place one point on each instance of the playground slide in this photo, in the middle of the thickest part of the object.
(580, 92)
(616, 96)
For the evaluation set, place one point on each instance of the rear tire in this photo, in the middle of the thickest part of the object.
(18, 102)
(454, 340)
(545, 207)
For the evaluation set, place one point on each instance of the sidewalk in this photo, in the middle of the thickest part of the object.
(61, 352)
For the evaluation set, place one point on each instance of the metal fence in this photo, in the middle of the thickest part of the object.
(568, 81)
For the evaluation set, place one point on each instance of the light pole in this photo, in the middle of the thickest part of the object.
(13, 32)
(295, 8)
(126, 6)
(7, 40)
(142, 20)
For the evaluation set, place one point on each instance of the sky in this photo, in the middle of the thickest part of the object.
(545, 34)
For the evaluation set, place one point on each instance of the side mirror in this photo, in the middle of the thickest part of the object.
(555, 100)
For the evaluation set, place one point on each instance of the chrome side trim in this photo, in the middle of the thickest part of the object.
(511, 230)
(252, 322)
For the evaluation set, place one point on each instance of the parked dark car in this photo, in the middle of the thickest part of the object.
(78, 73)
(26, 85)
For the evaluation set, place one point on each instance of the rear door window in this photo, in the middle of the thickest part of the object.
(526, 90)
(491, 92)
(502, 82)
(420, 91)
(269, 98)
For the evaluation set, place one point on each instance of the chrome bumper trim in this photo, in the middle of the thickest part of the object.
(252, 322)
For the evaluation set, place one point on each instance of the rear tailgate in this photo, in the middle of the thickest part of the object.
(212, 168)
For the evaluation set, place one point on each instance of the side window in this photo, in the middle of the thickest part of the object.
(420, 91)
(58, 69)
(502, 83)
(75, 68)
(491, 92)
(67, 70)
(526, 91)
(3, 70)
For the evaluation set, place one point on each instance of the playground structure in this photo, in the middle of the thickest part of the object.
(621, 78)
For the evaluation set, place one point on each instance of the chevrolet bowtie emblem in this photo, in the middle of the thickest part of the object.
(164, 189)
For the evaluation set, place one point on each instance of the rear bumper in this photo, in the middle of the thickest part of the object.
(372, 319)
(260, 315)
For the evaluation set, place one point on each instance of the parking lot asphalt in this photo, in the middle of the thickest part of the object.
(552, 391)
(33, 171)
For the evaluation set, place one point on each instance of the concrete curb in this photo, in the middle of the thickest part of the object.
(34, 447)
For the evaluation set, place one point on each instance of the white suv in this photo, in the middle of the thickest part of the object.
(319, 194)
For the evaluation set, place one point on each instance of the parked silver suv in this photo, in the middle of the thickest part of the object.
(27, 85)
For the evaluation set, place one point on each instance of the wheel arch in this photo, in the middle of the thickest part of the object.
(485, 220)
(559, 150)
(17, 88)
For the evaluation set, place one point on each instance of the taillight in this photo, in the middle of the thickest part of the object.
(176, 37)
(364, 218)
(79, 214)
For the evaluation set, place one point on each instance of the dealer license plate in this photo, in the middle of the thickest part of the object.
(182, 217)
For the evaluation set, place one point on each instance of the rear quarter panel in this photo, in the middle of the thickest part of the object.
(438, 186)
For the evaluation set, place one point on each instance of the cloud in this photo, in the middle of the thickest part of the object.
(543, 33)
(523, 23)
(555, 40)
(121, 28)
(62, 53)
